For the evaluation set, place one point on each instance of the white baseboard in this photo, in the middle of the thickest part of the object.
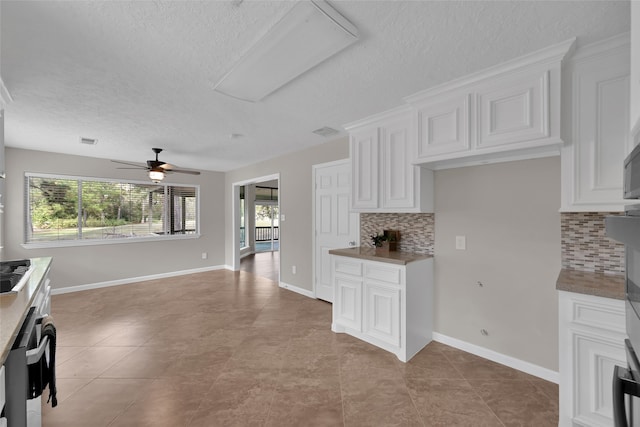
(129, 280)
(296, 289)
(503, 359)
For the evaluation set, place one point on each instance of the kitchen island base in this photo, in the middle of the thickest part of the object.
(385, 303)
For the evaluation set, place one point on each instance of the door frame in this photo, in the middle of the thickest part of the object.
(313, 215)
(235, 218)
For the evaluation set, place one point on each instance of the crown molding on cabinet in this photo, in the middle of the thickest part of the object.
(551, 54)
(601, 48)
(394, 113)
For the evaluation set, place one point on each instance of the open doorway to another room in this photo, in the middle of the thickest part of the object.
(257, 237)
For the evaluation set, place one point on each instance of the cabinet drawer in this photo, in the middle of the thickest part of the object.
(346, 266)
(383, 273)
(609, 315)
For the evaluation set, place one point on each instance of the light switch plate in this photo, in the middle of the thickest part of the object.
(461, 243)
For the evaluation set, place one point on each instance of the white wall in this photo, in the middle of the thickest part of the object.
(509, 215)
(81, 265)
(295, 195)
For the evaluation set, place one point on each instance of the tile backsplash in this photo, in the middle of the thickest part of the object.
(585, 246)
(417, 231)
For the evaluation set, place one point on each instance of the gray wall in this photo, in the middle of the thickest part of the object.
(82, 265)
(295, 196)
(509, 214)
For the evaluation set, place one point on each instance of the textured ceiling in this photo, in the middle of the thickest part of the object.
(139, 74)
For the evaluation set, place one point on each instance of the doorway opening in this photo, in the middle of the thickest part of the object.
(267, 229)
(256, 215)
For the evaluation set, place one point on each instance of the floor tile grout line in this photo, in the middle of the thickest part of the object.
(472, 388)
(404, 380)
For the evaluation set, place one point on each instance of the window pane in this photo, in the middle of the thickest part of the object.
(183, 210)
(118, 210)
(53, 209)
(243, 242)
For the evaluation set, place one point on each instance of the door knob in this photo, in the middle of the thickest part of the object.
(352, 243)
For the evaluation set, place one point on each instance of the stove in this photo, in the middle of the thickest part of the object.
(11, 272)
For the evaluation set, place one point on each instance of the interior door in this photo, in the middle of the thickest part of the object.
(335, 225)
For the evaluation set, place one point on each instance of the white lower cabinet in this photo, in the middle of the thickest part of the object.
(385, 304)
(347, 306)
(591, 338)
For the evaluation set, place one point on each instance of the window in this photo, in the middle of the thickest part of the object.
(68, 210)
(243, 217)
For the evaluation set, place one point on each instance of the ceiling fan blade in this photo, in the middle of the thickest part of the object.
(184, 171)
(166, 166)
(138, 168)
(130, 164)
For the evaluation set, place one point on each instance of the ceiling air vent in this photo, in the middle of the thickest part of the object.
(88, 141)
(326, 131)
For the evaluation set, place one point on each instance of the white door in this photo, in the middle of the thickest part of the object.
(335, 225)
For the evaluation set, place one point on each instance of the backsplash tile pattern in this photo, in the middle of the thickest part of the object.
(585, 246)
(417, 231)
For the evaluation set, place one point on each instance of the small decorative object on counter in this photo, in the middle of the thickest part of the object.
(393, 237)
(381, 243)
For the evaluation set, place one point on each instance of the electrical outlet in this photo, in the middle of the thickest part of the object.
(204, 255)
(293, 269)
(461, 243)
(282, 217)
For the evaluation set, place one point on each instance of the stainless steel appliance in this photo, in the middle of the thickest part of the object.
(11, 274)
(25, 377)
(626, 229)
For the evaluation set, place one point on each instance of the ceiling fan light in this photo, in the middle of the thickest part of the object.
(156, 175)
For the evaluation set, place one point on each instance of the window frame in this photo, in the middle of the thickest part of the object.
(113, 241)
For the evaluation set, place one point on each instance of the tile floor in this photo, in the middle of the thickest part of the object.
(232, 349)
(263, 264)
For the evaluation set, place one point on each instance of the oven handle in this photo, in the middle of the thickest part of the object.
(35, 355)
(623, 384)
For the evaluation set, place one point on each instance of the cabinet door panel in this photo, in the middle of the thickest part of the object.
(601, 139)
(348, 303)
(514, 111)
(397, 172)
(383, 313)
(443, 127)
(364, 158)
(594, 362)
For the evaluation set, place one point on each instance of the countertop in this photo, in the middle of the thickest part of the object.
(598, 284)
(14, 307)
(394, 257)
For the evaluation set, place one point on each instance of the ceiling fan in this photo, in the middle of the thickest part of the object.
(157, 168)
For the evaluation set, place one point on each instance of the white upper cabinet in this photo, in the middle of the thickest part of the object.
(513, 110)
(384, 177)
(635, 72)
(507, 112)
(397, 169)
(364, 146)
(597, 130)
(443, 126)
